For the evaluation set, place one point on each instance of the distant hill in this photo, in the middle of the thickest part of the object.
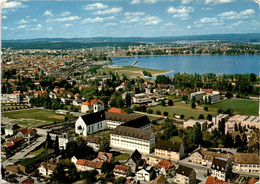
(77, 43)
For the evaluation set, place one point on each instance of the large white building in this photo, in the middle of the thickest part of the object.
(91, 123)
(192, 122)
(129, 138)
(10, 98)
(221, 168)
(198, 95)
(246, 162)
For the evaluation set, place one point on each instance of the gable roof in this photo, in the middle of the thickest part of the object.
(116, 110)
(212, 180)
(121, 167)
(247, 158)
(219, 163)
(209, 155)
(138, 122)
(136, 156)
(109, 156)
(96, 164)
(9, 144)
(160, 180)
(49, 166)
(166, 164)
(132, 132)
(25, 131)
(184, 170)
(168, 145)
(27, 181)
(252, 180)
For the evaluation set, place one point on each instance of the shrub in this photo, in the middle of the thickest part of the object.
(193, 105)
(206, 109)
(158, 112)
(165, 113)
(149, 111)
(182, 116)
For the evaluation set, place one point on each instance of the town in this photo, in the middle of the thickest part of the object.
(74, 116)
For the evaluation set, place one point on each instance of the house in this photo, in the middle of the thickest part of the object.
(169, 150)
(121, 87)
(94, 122)
(141, 98)
(252, 181)
(221, 168)
(105, 157)
(159, 180)
(212, 180)
(11, 129)
(145, 173)
(198, 95)
(27, 133)
(246, 162)
(46, 169)
(185, 175)
(116, 110)
(134, 160)
(87, 165)
(129, 138)
(166, 168)
(64, 139)
(205, 157)
(121, 170)
(92, 105)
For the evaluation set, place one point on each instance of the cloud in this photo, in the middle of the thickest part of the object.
(48, 13)
(13, 5)
(111, 24)
(141, 18)
(170, 24)
(218, 1)
(26, 20)
(109, 11)
(143, 1)
(64, 14)
(237, 23)
(95, 6)
(181, 12)
(64, 19)
(186, 1)
(5, 27)
(68, 25)
(209, 20)
(49, 28)
(4, 17)
(22, 26)
(231, 15)
(97, 19)
(188, 27)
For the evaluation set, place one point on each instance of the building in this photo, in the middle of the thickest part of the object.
(166, 168)
(134, 160)
(121, 171)
(205, 157)
(169, 150)
(198, 95)
(248, 121)
(27, 133)
(116, 110)
(105, 157)
(94, 122)
(46, 169)
(192, 122)
(221, 168)
(212, 180)
(11, 129)
(212, 97)
(129, 138)
(246, 162)
(220, 117)
(145, 173)
(87, 165)
(185, 175)
(92, 105)
(141, 98)
(10, 98)
(159, 180)
(64, 139)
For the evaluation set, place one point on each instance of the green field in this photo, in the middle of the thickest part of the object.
(239, 106)
(122, 156)
(132, 71)
(41, 115)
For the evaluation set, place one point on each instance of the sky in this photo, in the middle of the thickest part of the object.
(27, 19)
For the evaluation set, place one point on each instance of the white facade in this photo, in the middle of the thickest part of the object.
(113, 124)
(131, 143)
(144, 175)
(198, 95)
(13, 98)
(82, 129)
(95, 107)
(63, 140)
(192, 122)
(214, 97)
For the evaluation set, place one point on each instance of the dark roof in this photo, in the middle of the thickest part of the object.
(247, 158)
(119, 117)
(138, 122)
(219, 163)
(183, 170)
(136, 156)
(132, 132)
(168, 145)
(92, 118)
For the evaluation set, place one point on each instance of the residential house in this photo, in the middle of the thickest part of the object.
(166, 168)
(105, 157)
(169, 150)
(27, 133)
(134, 160)
(116, 110)
(64, 139)
(46, 169)
(246, 162)
(185, 175)
(121, 170)
(92, 105)
(221, 168)
(87, 165)
(145, 173)
(121, 87)
(11, 129)
(212, 180)
(129, 138)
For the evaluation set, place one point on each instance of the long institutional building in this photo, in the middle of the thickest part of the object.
(130, 132)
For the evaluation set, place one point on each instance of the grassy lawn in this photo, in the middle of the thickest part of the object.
(176, 139)
(48, 116)
(38, 151)
(122, 156)
(239, 106)
(105, 134)
(132, 71)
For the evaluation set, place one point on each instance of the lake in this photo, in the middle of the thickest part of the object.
(228, 64)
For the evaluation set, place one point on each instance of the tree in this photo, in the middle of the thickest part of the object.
(193, 105)
(197, 133)
(48, 141)
(221, 127)
(206, 109)
(165, 113)
(128, 100)
(193, 99)
(238, 141)
(209, 117)
(209, 100)
(170, 102)
(184, 97)
(236, 128)
(201, 116)
(182, 116)
(163, 103)
(158, 112)
(119, 102)
(104, 146)
(149, 111)
(56, 145)
(252, 77)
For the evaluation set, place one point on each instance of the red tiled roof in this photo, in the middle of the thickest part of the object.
(17, 92)
(90, 103)
(122, 84)
(212, 180)
(166, 164)
(121, 167)
(27, 181)
(183, 92)
(9, 144)
(116, 110)
(252, 180)
(109, 156)
(26, 130)
(208, 90)
(81, 162)
(17, 139)
(97, 164)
